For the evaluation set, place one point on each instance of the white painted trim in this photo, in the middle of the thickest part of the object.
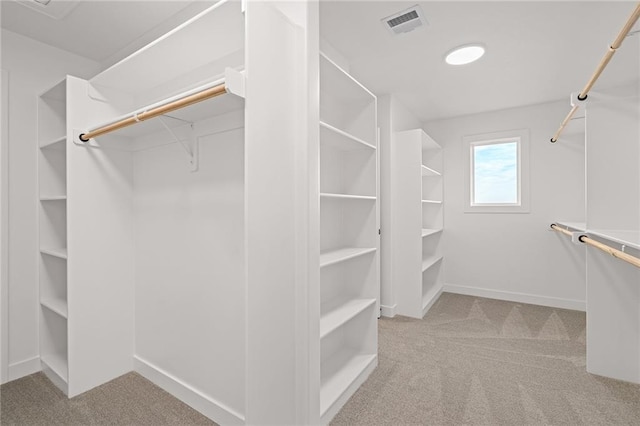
(388, 311)
(4, 228)
(348, 393)
(431, 302)
(197, 400)
(24, 368)
(521, 136)
(55, 378)
(552, 302)
(333, 54)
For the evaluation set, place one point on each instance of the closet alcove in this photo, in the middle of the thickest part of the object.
(180, 246)
(610, 226)
(611, 217)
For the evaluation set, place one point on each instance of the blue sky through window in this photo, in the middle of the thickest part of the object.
(495, 174)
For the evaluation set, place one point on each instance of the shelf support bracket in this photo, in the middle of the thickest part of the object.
(190, 149)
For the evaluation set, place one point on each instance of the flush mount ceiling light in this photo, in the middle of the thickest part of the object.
(466, 54)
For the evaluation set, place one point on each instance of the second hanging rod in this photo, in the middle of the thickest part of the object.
(613, 47)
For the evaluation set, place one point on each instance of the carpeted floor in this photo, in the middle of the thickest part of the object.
(128, 400)
(488, 362)
(469, 361)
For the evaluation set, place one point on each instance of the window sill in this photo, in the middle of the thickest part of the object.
(497, 209)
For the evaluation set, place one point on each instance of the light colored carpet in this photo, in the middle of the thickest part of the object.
(469, 361)
(127, 400)
(487, 362)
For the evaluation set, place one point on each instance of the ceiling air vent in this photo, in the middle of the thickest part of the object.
(56, 9)
(405, 21)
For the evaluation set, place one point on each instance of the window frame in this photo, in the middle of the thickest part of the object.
(521, 137)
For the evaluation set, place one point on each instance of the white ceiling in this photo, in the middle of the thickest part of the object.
(536, 51)
(105, 31)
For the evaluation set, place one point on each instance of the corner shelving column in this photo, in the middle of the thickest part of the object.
(349, 240)
(417, 225)
(52, 184)
(432, 220)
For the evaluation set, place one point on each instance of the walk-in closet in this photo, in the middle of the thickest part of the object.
(319, 212)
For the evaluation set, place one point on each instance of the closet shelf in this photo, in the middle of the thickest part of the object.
(339, 139)
(428, 232)
(57, 364)
(336, 315)
(346, 196)
(60, 252)
(57, 92)
(343, 254)
(217, 32)
(627, 238)
(427, 142)
(577, 226)
(338, 373)
(344, 88)
(427, 171)
(55, 305)
(430, 262)
(57, 142)
(432, 201)
(53, 198)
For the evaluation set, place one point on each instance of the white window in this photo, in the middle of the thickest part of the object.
(497, 178)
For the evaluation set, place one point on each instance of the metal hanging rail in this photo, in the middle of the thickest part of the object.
(203, 95)
(601, 66)
(605, 248)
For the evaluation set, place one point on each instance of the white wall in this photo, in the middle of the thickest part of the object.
(189, 272)
(392, 117)
(32, 67)
(515, 256)
(4, 306)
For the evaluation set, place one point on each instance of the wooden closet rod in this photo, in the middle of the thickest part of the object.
(605, 248)
(564, 231)
(601, 66)
(205, 94)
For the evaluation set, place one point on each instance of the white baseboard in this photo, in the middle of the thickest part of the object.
(55, 378)
(388, 311)
(431, 301)
(335, 408)
(23, 368)
(553, 302)
(206, 405)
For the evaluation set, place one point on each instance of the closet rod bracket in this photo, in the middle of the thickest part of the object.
(190, 148)
(80, 141)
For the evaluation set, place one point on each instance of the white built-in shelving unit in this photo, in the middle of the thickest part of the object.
(177, 238)
(52, 188)
(89, 207)
(349, 238)
(141, 206)
(417, 224)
